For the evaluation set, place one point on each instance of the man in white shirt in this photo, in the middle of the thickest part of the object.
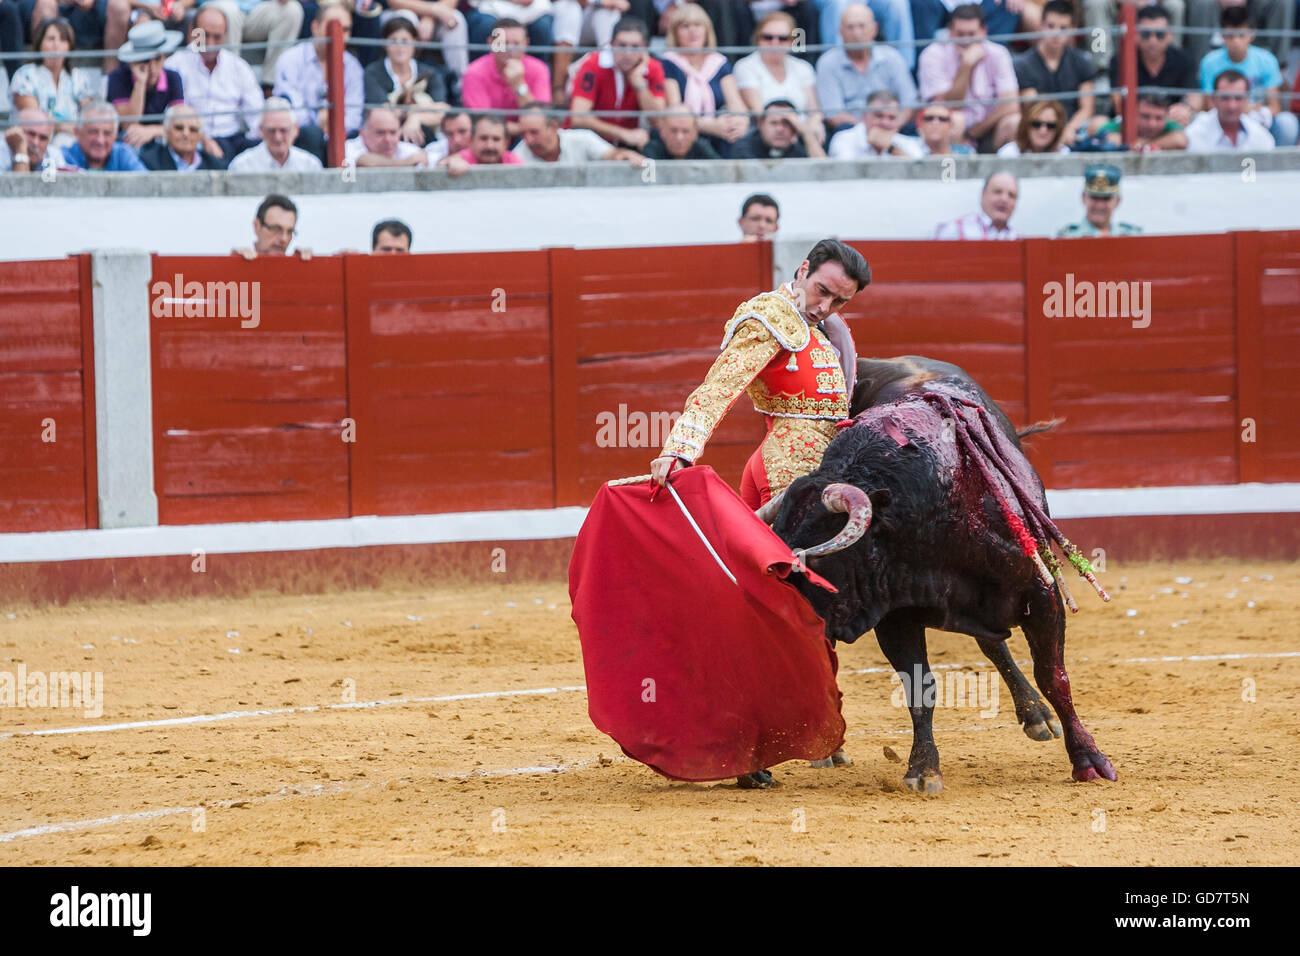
(544, 142)
(220, 85)
(276, 153)
(1227, 127)
(455, 134)
(380, 142)
(877, 134)
(993, 220)
(26, 145)
(300, 77)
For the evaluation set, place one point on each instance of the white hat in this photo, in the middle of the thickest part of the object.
(147, 40)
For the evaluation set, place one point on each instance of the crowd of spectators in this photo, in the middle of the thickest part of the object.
(241, 84)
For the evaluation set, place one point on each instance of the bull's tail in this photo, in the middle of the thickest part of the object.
(1037, 428)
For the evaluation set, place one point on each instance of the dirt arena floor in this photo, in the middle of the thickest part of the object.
(448, 726)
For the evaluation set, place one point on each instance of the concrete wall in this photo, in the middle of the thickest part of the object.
(611, 205)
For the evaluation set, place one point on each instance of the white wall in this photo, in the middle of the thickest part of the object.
(461, 220)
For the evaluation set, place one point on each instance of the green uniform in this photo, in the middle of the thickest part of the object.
(1082, 230)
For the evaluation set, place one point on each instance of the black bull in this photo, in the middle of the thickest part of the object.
(936, 553)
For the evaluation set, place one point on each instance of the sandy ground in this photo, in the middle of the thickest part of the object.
(1206, 775)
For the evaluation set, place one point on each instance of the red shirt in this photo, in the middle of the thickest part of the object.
(606, 89)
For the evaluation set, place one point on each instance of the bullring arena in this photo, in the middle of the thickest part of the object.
(468, 740)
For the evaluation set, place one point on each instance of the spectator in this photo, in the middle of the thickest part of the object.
(679, 138)
(97, 148)
(537, 18)
(507, 78)
(1159, 63)
(702, 77)
(781, 133)
(1155, 129)
(180, 149)
(50, 84)
(1041, 130)
(380, 142)
(1055, 66)
(969, 66)
(1100, 15)
(141, 86)
(1228, 126)
(877, 134)
(1206, 14)
(390, 237)
(96, 24)
(220, 85)
(772, 73)
(993, 220)
(276, 153)
(847, 75)
(300, 78)
(277, 22)
(760, 217)
(26, 146)
(487, 148)
(1260, 68)
(894, 17)
(274, 227)
(935, 124)
(589, 22)
(457, 131)
(1100, 200)
(721, 15)
(1001, 16)
(418, 93)
(624, 78)
(544, 142)
(440, 21)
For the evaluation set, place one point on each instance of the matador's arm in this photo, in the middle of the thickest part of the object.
(747, 353)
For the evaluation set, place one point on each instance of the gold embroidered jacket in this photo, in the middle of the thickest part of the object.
(788, 368)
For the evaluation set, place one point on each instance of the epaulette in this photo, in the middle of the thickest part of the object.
(778, 315)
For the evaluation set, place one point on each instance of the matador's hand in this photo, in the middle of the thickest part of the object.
(661, 467)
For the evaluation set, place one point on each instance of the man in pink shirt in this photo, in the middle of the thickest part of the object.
(506, 78)
(969, 67)
(487, 147)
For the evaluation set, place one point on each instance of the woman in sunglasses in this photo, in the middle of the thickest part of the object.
(773, 73)
(1042, 125)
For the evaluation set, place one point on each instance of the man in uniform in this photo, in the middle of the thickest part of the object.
(777, 348)
(1100, 200)
(791, 351)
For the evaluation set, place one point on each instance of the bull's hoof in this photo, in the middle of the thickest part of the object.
(837, 759)
(1043, 729)
(927, 783)
(1091, 766)
(758, 780)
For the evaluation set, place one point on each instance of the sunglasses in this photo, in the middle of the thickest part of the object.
(1230, 96)
(1157, 34)
(1043, 124)
(933, 118)
(776, 37)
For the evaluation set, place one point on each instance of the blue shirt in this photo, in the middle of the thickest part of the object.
(841, 88)
(1260, 67)
(122, 159)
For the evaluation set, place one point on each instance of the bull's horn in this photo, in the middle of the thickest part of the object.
(843, 497)
(767, 513)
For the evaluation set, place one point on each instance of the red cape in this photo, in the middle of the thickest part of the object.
(694, 676)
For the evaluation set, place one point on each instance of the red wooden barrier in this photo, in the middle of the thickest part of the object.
(523, 380)
(248, 420)
(47, 396)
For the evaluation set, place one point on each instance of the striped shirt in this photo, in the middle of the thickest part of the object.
(976, 225)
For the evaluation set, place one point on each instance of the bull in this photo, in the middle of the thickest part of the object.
(940, 500)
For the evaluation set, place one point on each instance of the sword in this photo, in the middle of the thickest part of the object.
(672, 491)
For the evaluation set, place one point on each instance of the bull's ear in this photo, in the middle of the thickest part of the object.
(880, 499)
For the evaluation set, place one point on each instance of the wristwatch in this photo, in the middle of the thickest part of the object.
(22, 158)
(522, 89)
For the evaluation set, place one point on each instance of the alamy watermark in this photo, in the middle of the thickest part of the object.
(1098, 300)
(624, 429)
(953, 688)
(218, 300)
(62, 689)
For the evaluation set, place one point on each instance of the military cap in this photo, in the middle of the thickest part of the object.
(1101, 179)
